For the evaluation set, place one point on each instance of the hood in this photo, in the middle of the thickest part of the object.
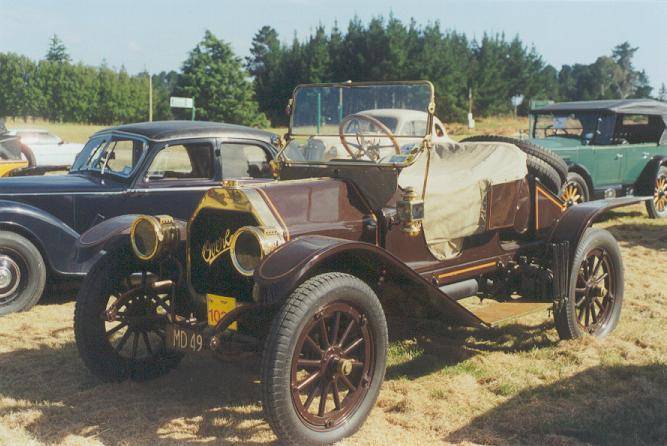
(557, 143)
(54, 184)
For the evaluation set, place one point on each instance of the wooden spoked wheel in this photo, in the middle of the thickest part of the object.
(332, 366)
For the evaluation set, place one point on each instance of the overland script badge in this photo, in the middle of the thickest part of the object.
(212, 250)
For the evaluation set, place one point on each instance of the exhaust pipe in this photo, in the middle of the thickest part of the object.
(461, 290)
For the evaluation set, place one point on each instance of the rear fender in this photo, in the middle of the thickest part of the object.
(50, 235)
(285, 269)
(576, 219)
(645, 184)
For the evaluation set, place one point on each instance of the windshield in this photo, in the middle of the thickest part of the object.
(364, 122)
(116, 155)
(580, 125)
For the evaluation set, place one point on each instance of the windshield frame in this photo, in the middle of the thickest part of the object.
(291, 105)
(107, 138)
(409, 157)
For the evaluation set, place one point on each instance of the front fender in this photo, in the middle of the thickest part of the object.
(53, 238)
(574, 222)
(282, 271)
(109, 236)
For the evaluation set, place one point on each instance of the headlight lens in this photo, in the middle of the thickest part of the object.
(154, 237)
(249, 245)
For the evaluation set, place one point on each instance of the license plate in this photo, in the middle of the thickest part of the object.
(186, 339)
(217, 307)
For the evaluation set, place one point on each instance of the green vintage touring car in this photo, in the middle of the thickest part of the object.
(612, 148)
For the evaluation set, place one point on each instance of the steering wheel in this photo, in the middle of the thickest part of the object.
(363, 147)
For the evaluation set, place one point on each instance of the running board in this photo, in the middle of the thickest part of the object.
(497, 312)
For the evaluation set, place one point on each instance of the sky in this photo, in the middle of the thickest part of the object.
(157, 35)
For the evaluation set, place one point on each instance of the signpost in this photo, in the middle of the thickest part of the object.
(176, 102)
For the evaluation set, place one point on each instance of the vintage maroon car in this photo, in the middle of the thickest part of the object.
(308, 265)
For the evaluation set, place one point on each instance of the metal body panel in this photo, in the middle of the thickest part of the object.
(279, 273)
(576, 219)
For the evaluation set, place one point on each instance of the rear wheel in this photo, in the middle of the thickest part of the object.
(657, 208)
(22, 273)
(119, 323)
(596, 288)
(575, 190)
(324, 361)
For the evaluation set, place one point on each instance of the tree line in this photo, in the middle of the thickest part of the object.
(484, 73)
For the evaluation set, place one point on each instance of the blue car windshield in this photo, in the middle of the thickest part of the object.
(116, 155)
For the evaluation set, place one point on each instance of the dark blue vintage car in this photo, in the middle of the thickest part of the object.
(152, 168)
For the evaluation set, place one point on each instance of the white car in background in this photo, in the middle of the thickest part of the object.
(409, 125)
(48, 150)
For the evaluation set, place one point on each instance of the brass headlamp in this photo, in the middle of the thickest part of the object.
(250, 244)
(154, 237)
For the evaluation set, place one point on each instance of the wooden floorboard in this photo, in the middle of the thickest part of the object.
(496, 312)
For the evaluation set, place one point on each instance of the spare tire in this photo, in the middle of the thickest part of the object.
(546, 155)
(545, 173)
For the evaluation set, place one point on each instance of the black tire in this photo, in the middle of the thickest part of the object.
(547, 174)
(300, 311)
(572, 318)
(28, 155)
(546, 155)
(90, 330)
(657, 207)
(22, 273)
(575, 190)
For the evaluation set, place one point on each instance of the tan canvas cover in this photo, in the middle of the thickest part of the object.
(459, 179)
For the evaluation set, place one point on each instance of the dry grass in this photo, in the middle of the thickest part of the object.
(516, 384)
(505, 125)
(78, 133)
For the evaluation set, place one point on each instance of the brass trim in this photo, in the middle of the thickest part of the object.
(538, 190)
(162, 225)
(240, 199)
(467, 269)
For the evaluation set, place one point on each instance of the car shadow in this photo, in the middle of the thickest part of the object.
(617, 213)
(441, 346)
(203, 399)
(603, 405)
(651, 236)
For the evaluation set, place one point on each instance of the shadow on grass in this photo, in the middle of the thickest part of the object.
(441, 346)
(202, 400)
(622, 213)
(603, 405)
(651, 236)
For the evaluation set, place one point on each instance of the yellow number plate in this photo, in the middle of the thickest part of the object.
(218, 306)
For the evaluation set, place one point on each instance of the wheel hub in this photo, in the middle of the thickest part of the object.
(10, 276)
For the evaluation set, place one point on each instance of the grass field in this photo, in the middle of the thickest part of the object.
(515, 384)
(80, 132)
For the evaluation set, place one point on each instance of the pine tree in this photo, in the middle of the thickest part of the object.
(57, 51)
(215, 77)
(662, 94)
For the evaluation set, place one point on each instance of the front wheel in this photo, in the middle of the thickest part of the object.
(324, 361)
(22, 273)
(657, 208)
(595, 296)
(119, 322)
